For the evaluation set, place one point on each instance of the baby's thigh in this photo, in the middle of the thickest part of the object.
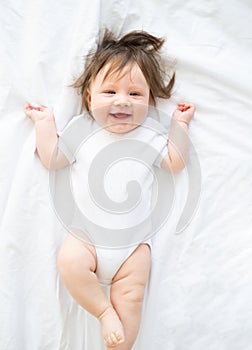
(76, 253)
(134, 273)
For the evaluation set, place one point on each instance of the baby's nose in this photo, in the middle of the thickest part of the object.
(122, 101)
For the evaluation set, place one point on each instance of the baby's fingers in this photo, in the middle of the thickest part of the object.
(32, 114)
(184, 106)
(27, 111)
(38, 112)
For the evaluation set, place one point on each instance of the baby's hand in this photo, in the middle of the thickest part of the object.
(38, 112)
(184, 112)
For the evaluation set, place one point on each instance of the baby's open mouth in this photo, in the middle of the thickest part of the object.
(120, 115)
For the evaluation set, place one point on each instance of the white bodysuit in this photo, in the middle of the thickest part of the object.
(111, 181)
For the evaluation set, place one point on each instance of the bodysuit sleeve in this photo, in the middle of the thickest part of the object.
(159, 140)
(73, 134)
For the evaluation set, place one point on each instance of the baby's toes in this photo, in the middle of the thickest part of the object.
(119, 336)
(114, 339)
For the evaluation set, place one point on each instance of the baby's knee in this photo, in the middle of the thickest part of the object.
(135, 293)
(129, 293)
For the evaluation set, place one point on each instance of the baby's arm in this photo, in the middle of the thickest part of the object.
(178, 145)
(46, 136)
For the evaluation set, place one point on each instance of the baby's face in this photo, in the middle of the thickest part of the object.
(120, 102)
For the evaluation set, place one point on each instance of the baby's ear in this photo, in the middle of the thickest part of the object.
(88, 98)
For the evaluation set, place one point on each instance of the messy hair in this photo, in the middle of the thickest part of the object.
(137, 47)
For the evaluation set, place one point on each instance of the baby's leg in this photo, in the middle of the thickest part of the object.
(77, 264)
(127, 292)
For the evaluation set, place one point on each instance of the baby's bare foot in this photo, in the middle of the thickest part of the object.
(112, 329)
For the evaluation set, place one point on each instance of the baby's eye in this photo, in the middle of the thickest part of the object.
(111, 92)
(134, 93)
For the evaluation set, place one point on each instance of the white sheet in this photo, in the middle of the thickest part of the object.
(199, 296)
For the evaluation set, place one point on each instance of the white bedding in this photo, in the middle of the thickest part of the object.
(199, 296)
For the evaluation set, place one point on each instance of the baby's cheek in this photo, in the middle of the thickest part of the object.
(99, 106)
(142, 108)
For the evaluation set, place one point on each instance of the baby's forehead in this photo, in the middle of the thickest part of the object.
(114, 71)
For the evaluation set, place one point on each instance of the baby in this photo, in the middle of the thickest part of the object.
(121, 80)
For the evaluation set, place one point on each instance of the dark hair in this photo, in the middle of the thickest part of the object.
(135, 47)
